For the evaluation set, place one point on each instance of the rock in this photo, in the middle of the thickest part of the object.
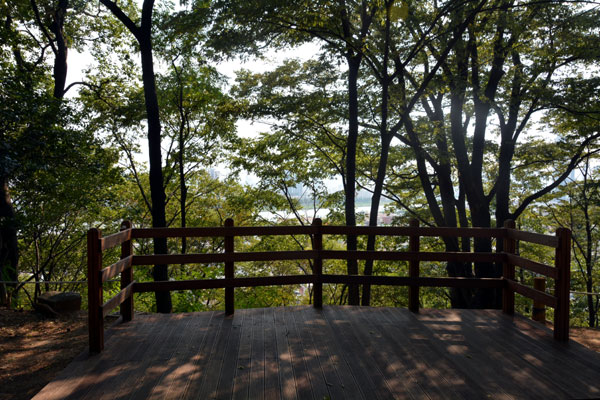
(58, 302)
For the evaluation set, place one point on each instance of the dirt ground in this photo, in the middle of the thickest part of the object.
(34, 349)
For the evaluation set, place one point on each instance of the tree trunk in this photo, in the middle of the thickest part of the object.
(350, 187)
(375, 201)
(61, 52)
(9, 250)
(157, 191)
(143, 34)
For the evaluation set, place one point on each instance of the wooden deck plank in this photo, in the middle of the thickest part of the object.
(180, 367)
(537, 347)
(516, 356)
(156, 361)
(299, 366)
(125, 355)
(365, 372)
(345, 380)
(432, 373)
(287, 381)
(313, 326)
(202, 357)
(256, 374)
(241, 380)
(311, 352)
(436, 369)
(400, 368)
(130, 358)
(338, 352)
(467, 360)
(508, 369)
(271, 371)
(212, 371)
(229, 364)
(365, 331)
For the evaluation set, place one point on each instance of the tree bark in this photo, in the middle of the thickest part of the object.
(61, 50)
(9, 250)
(143, 34)
(157, 191)
(350, 187)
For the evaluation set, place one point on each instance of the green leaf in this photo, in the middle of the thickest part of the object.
(398, 12)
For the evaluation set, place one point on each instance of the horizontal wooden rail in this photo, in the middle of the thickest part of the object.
(532, 266)
(115, 239)
(531, 293)
(118, 299)
(412, 231)
(416, 281)
(223, 231)
(140, 233)
(530, 237)
(223, 283)
(207, 258)
(411, 256)
(326, 278)
(115, 269)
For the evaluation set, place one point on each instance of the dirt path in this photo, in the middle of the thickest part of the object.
(34, 349)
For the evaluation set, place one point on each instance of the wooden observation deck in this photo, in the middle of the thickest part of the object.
(329, 352)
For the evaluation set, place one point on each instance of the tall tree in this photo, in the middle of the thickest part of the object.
(143, 35)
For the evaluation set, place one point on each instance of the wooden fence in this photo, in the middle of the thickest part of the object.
(97, 275)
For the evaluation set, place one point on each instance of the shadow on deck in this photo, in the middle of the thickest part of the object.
(339, 352)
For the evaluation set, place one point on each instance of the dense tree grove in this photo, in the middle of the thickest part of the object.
(455, 113)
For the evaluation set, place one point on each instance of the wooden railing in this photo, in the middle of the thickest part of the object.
(97, 275)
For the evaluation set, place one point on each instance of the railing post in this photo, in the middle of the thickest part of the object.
(127, 275)
(229, 291)
(413, 269)
(562, 284)
(318, 265)
(95, 319)
(539, 309)
(508, 270)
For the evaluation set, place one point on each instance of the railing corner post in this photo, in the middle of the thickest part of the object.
(413, 269)
(127, 275)
(562, 284)
(318, 265)
(508, 269)
(229, 270)
(95, 318)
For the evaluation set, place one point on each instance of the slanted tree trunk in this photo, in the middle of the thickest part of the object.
(61, 49)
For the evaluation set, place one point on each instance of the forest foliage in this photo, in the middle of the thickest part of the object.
(455, 113)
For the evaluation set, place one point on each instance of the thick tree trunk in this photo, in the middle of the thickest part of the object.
(485, 298)
(9, 250)
(143, 34)
(157, 191)
(60, 56)
(350, 187)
